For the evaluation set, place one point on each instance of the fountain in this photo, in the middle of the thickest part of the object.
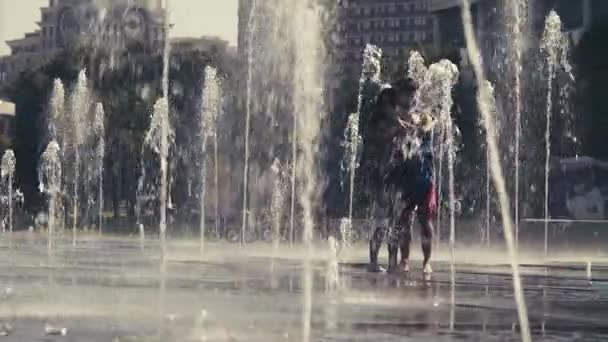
(416, 69)
(8, 172)
(57, 112)
(491, 101)
(210, 107)
(483, 97)
(515, 19)
(309, 109)
(161, 124)
(345, 231)
(350, 163)
(142, 236)
(250, 49)
(159, 137)
(449, 79)
(100, 148)
(294, 157)
(276, 205)
(49, 175)
(369, 81)
(216, 167)
(78, 112)
(553, 46)
(289, 304)
(332, 272)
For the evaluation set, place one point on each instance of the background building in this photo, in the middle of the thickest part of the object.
(110, 23)
(577, 16)
(7, 118)
(207, 44)
(396, 26)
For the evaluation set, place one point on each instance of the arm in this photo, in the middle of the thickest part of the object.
(425, 122)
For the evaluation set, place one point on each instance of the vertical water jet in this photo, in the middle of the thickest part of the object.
(495, 165)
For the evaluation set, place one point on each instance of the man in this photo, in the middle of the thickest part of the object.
(399, 145)
(379, 133)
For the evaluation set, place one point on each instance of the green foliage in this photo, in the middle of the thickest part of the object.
(127, 85)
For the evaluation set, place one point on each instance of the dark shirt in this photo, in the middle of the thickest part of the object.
(411, 164)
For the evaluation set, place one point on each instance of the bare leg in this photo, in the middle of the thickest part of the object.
(406, 222)
(393, 248)
(426, 235)
(425, 216)
(375, 243)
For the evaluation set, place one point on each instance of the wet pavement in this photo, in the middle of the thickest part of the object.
(109, 289)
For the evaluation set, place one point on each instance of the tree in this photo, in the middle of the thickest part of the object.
(127, 88)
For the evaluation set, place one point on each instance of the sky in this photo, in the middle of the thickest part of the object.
(191, 18)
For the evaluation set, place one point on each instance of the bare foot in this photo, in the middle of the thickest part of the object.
(375, 268)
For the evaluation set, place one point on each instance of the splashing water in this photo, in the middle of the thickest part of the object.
(210, 107)
(276, 204)
(369, 85)
(7, 173)
(370, 77)
(79, 109)
(59, 122)
(553, 43)
(160, 136)
(56, 111)
(142, 236)
(250, 45)
(49, 177)
(350, 163)
(491, 103)
(447, 73)
(332, 273)
(416, 67)
(495, 165)
(308, 105)
(516, 21)
(100, 151)
(345, 233)
(216, 167)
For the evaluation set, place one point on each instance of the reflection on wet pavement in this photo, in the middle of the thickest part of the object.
(109, 290)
